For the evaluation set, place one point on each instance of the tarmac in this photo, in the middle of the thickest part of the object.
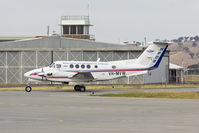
(74, 112)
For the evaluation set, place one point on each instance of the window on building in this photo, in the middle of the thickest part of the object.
(73, 29)
(88, 66)
(83, 66)
(87, 30)
(76, 66)
(80, 29)
(66, 29)
(71, 66)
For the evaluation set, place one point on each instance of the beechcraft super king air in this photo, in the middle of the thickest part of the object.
(86, 71)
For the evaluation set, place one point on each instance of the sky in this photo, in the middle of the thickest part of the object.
(113, 20)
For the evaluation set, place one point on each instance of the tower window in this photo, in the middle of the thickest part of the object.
(65, 29)
(80, 29)
(73, 29)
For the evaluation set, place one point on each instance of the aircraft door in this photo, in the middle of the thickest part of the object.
(58, 66)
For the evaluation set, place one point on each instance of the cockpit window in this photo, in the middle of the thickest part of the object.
(58, 65)
(52, 65)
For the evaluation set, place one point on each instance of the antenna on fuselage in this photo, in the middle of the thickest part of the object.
(98, 60)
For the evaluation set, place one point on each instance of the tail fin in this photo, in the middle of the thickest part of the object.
(152, 56)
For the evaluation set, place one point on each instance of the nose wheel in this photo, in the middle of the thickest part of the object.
(80, 88)
(28, 89)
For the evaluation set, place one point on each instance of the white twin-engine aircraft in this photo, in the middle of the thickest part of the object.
(86, 71)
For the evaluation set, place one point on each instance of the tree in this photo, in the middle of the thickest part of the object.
(196, 38)
(180, 39)
(197, 54)
(186, 49)
(174, 40)
(194, 44)
(186, 38)
(191, 38)
(191, 55)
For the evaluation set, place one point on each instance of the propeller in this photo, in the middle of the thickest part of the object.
(42, 70)
(42, 73)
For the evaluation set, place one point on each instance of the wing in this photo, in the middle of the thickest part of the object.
(137, 73)
(83, 75)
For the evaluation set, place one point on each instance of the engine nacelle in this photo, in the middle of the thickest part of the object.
(35, 81)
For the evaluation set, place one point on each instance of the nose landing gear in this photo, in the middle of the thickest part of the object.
(28, 89)
(80, 88)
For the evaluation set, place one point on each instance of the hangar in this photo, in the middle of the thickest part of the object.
(74, 43)
(18, 57)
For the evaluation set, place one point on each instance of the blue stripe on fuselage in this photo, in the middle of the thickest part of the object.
(159, 60)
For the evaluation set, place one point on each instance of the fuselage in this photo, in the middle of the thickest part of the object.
(63, 71)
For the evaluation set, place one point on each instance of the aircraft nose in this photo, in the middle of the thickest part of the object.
(27, 74)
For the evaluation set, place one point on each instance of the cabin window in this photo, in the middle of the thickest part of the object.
(58, 65)
(76, 66)
(71, 65)
(83, 66)
(96, 66)
(113, 66)
(88, 66)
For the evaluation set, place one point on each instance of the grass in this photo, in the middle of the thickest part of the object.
(191, 78)
(174, 95)
(95, 87)
(92, 87)
(37, 88)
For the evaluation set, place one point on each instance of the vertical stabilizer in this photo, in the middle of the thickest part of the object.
(152, 56)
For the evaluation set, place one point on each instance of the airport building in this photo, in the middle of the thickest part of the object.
(73, 44)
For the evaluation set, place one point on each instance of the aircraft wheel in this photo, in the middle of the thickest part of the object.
(28, 89)
(77, 88)
(82, 88)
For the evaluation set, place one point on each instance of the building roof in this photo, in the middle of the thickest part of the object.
(57, 42)
(13, 38)
(174, 66)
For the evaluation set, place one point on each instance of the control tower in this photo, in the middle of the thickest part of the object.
(76, 27)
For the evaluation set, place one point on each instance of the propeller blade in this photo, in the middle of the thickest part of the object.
(42, 72)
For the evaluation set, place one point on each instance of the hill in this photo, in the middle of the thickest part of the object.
(184, 53)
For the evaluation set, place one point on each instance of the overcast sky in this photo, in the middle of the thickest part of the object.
(129, 20)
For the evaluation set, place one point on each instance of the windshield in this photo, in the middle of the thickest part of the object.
(52, 65)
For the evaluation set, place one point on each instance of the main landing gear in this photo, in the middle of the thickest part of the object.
(80, 88)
